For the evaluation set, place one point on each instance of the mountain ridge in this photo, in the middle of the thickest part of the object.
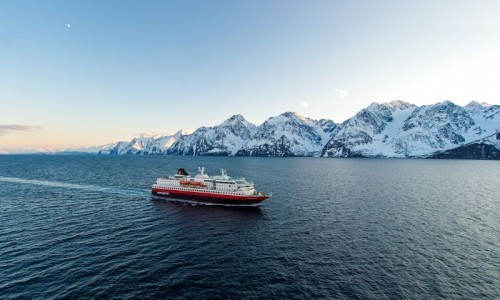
(390, 129)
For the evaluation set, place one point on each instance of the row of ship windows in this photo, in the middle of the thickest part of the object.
(216, 192)
(221, 185)
(210, 181)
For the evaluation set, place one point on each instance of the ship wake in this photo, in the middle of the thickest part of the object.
(91, 188)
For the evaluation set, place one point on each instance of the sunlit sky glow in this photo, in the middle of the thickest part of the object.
(79, 73)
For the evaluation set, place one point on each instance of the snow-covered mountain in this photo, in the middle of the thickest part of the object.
(393, 129)
(367, 133)
(400, 129)
(224, 139)
(289, 134)
(86, 150)
(152, 144)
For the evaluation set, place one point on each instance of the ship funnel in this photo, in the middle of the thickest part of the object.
(183, 172)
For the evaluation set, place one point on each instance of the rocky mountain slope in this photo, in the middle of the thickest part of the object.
(399, 129)
(487, 148)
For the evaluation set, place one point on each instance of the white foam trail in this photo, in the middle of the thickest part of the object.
(93, 188)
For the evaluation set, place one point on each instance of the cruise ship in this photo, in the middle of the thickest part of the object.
(221, 189)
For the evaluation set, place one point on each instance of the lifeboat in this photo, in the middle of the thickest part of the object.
(192, 183)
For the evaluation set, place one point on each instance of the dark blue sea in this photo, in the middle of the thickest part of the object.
(88, 227)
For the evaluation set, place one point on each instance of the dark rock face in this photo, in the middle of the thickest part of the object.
(471, 151)
(355, 131)
(491, 112)
(454, 117)
(343, 146)
(376, 122)
(280, 148)
(448, 133)
(328, 126)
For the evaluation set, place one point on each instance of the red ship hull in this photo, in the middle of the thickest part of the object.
(208, 197)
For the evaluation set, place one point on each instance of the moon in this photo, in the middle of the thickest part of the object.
(68, 25)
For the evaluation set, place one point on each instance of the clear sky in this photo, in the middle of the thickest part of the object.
(77, 73)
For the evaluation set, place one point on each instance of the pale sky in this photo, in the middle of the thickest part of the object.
(81, 73)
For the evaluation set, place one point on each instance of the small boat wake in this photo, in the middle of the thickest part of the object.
(74, 186)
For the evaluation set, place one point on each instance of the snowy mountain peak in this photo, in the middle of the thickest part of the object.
(237, 117)
(387, 108)
(224, 139)
(473, 104)
(293, 115)
(373, 106)
(445, 103)
(237, 120)
(149, 135)
(399, 104)
(476, 108)
(182, 132)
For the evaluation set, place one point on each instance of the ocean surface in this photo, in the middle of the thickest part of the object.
(88, 227)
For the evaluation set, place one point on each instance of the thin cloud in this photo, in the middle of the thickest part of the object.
(11, 129)
(304, 104)
(341, 93)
